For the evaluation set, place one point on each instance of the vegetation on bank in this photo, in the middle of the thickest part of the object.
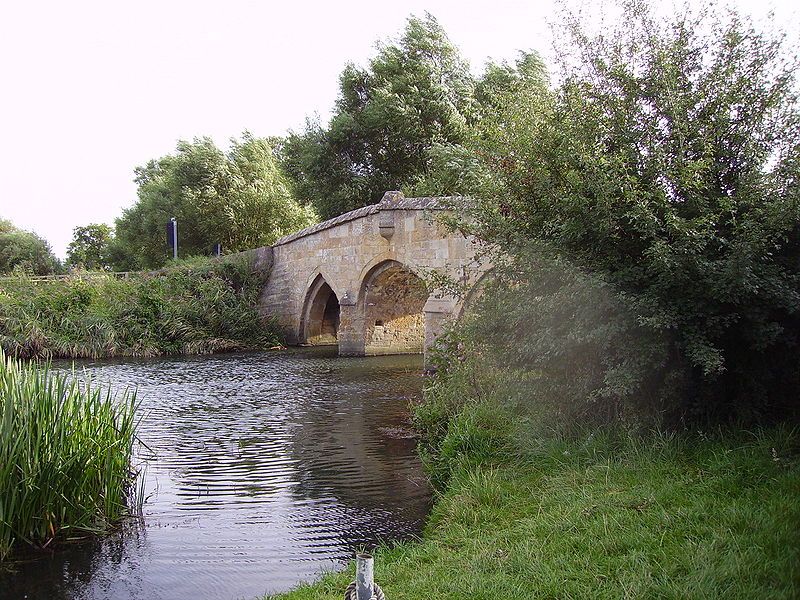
(662, 171)
(65, 456)
(197, 307)
(526, 511)
(602, 517)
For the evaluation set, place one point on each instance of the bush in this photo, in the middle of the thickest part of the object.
(665, 167)
(195, 308)
(24, 251)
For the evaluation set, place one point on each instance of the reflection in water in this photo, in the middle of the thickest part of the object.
(268, 469)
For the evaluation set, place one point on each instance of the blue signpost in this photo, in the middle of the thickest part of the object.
(172, 236)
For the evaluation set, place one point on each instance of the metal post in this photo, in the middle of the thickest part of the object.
(365, 576)
(175, 232)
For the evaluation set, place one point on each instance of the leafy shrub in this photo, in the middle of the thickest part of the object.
(197, 307)
(664, 167)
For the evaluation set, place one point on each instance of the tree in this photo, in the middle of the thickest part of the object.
(91, 247)
(413, 95)
(467, 168)
(25, 251)
(666, 163)
(240, 199)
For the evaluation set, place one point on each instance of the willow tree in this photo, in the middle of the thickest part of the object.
(413, 94)
(240, 199)
(664, 164)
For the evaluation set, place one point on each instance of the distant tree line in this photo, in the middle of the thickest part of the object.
(240, 199)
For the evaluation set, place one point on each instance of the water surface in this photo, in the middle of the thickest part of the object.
(267, 469)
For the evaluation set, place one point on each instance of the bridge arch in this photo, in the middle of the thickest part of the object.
(352, 260)
(391, 299)
(319, 321)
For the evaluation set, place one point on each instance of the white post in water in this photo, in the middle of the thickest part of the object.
(365, 576)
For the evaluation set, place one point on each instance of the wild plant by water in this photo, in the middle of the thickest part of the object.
(65, 456)
(196, 307)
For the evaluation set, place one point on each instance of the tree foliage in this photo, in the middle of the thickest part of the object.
(414, 94)
(240, 199)
(468, 168)
(25, 251)
(90, 247)
(666, 163)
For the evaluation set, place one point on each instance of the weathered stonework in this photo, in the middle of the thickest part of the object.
(372, 262)
(394, 301)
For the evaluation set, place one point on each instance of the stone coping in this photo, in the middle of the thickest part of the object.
(390, 201)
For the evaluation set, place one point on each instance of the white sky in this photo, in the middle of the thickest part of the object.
(90, 89)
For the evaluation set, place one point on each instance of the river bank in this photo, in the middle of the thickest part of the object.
(199, 306)
(680, 516)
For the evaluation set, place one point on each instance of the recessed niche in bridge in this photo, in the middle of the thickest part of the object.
(320, 314)
(393, 301)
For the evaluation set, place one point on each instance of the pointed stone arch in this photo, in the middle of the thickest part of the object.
(319, 321)
(391, 299)
(474, 293)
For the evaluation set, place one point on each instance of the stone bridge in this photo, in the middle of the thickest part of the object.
(362, 279)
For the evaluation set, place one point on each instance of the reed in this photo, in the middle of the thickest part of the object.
(65, 456)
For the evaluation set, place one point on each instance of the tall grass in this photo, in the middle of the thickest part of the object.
(65, 456)
(668, 517)
(197, 307)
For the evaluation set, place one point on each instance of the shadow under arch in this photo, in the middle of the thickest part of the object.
(392, 298)
(319, 321)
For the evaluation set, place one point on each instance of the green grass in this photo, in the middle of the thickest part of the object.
(196, 307)
(684, 516)
(65, 456)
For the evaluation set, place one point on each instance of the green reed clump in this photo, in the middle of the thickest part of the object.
(65, 456)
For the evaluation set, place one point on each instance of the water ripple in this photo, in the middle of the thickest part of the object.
(264, 470)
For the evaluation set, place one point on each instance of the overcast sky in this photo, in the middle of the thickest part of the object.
(89, 89)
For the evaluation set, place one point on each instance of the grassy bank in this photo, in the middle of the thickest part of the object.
(534, 503)
(689, 516)
(65, 453)
(196, 307)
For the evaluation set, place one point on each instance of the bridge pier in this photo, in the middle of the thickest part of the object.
(438, 311)
(351, 329)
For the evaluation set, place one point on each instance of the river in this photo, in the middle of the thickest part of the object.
(263, 470)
